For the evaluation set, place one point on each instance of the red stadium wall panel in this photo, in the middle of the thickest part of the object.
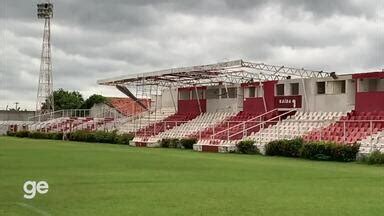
(210, 148)
(369, 101)
(373, 75)
(191, 106)
(269, 94)
(254, 105)
(288, 101)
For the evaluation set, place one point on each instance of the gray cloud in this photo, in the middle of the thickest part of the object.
(99, 39)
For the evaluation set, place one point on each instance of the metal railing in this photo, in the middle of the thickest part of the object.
(199, 127)
(356, 126)
(262, 124)
(378, 145)
(69, 125)
(60, 114)
(295, 131)
(296, 128)
(321, 133)
(158, 127)
(243, 123)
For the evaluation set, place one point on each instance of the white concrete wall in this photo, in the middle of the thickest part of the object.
(304, 91)
(102, 110)
(311, 101)
(224, 104)
(287, 86)
(166, 98)
(157, 104)
(258, 92)
(330, 102)
(240, 99)
(6, 115)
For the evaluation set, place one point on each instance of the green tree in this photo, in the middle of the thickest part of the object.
(67, 99)
(93, 99)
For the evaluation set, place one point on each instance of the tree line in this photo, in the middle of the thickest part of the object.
(64, 99)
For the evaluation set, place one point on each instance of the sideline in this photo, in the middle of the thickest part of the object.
(36, 210)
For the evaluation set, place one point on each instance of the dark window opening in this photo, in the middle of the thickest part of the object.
(320, 87)
(294, 88)
(252, 91)
(280, 89)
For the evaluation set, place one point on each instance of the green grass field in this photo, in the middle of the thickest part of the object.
(101, 179)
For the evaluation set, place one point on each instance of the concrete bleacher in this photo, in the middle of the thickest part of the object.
(167, 123)
(13, 125)
(366, 128)
(372, 143)
(226, 138)
(284, 128)
(67, 124)
(294, 126)
(134, 123)
(50, 125)
(193, 128)
(231, 126)
(143, 136)
(351, 128)
(91, 124)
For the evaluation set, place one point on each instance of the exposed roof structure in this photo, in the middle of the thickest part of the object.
(230, 72)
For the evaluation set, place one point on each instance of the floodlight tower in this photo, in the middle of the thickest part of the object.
(44, 102)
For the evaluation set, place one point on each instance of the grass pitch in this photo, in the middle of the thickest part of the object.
(102, 179)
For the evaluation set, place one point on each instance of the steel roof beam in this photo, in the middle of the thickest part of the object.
(225, 72)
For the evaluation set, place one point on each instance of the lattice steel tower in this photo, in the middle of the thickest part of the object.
(44, 102)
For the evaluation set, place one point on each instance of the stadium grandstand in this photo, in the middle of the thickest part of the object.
(223, 103)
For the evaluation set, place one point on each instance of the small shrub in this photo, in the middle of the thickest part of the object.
(124, 138)
(329, 151)
(344, 153)
(247, 147)
(375, 157)
(174, 143)
(22, 134)
(80, 135)
(38, 135)
(11, 133)
(89, 137)
(55, 135)
(103, 137)
(100, 137)
(316, 151)
(286, 148)
(164, 143)
(187, 143)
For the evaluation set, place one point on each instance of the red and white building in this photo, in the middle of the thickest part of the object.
(220, 104)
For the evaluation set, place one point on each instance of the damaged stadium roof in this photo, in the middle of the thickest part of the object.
(229, 72)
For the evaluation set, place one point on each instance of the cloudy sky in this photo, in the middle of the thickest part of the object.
(95, 39)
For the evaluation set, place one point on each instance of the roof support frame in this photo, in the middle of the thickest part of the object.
(230, 72)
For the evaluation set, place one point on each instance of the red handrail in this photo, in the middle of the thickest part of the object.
(244, 122)
(289, 111)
